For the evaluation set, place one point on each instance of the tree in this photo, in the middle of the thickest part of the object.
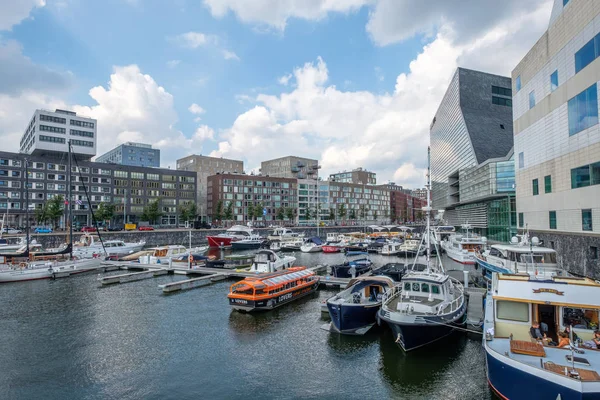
(152, 212)
(375, 215)
(307, 213)
(352, 214)
(289, 212)
(250, 213)
(55, 209)
(188, 212)
(280, 213)
(342, 211)
(218, 214)
(258, 210)
(419, 215)
(228, 215)
(41, 214)
(105, 211)
(331, 214)
(363, 212)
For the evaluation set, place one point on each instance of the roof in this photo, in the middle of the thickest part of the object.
(386, 280)
(523, 249)
(570, 291)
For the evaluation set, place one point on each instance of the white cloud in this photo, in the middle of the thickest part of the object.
(173, 63)
(204, 132)
(196, 109)
(192, 40)
(283, 80)
(275, 13)
(230, 55)
(14, 11)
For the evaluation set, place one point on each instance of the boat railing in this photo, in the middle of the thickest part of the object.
(457, 303)
(389, 295)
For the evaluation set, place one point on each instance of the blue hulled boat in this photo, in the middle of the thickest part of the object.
(354, 310)
(352, 266)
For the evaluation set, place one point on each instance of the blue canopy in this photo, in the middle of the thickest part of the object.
(356, 253)
(316, 240)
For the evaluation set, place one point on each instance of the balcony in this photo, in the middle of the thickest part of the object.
(295, 169)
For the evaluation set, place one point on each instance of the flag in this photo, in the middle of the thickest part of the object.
(79, 202)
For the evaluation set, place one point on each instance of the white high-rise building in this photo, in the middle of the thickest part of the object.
(557, 136)
(49, 131)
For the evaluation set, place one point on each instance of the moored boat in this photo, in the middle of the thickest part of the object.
(462, 248)
(266, 261)
(331, 248)
(390, 249)
(312, 245)
(236, 232)
(354, 310)
(251, 242)
(266, 292)
(355, 263)
(90, 246)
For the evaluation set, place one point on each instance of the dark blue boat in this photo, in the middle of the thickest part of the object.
(351, 268)
(353, 311)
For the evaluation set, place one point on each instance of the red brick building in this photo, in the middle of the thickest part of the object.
(403, 206)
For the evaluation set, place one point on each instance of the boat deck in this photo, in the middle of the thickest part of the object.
(393, 304)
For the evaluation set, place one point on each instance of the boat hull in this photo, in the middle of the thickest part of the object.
(274, 302)
(343, 271)
(331, 249)
(509, 382)
(240, 245)
(311, 249)
(351, 319)
(21, 275)
(219, 241)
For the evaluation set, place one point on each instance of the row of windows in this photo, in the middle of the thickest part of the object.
(83, 124)
(501, 101)
(50, 118)
(81, 133)
(54, 129)
(585, 175)
(83, 143)
(588, 53)
(502, 91)
(586, 220)
(583, 110)
(51, 139)
(547, 185)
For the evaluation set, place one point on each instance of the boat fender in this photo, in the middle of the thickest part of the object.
(191, 258)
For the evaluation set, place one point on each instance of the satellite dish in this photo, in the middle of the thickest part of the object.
(535, 241)
(514, 240)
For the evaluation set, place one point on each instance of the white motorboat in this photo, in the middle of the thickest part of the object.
(292, 244)
(164, 254)
(391, 249)
(236, 232)
(442, 234)
(11, 244)
(462, 248)
(283, 234)
(34, 270)
(90, 246)
(267, 261)
(312, 245)
(412, 246)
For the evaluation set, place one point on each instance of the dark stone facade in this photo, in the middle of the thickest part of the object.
(575, 252)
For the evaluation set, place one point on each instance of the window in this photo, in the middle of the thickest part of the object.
(586, 220)
(552, 217)
(54, 129)
(594, 252)
(52, 119)
(83, 143)
(565, 2)
(415, 287)
(521, 220)
(585, 176)
(501, 101)
(580, 318)
(502, 91)
(81, 133)
(554, 81)
(120, 174)
(588, 53)
(531, 99)
(82, 123)
(521, 160)
(512, 311)
(548, 184)
(536, 189)
(518, 83)
(51, 139)
(583, 110)
(424, 288)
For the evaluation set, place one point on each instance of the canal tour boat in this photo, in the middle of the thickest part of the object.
(462, 248)
(236, 232)
(352, 266)
(429, 304)
(524, 255)
(353, 311)
(268, 291)
(514, 360)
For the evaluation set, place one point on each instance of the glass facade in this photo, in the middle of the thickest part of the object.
(502, 219)
(548, 184)
(554, 81)
(505, 176)
(518, 83)
(552, 217)
(531, 99)
(588, 53)
(586, 220)
(583, 110)
(585, 176)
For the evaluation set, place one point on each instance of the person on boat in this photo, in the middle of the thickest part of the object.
(596, 338)
(563, 339)
(536, 332)
(567, 331)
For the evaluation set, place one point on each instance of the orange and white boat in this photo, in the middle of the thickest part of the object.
(268, 291)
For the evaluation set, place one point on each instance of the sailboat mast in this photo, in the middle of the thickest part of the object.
(428, 209)
(27, 205)
(70, 211)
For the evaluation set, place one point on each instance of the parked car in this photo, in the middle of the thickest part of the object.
(201, 225)
(115, 228)
(11, 231)
(42, 230)
(145, 228)
(88, 229)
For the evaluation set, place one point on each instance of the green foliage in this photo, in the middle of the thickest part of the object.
(331, 214)
(50, 211)
(188, 212)
(352, 214)
(375, 214)
(105, 212)
(342, 211)
(218, 214)
(228, 215)
(152, 212)
(289, 212)
(250, 213)
(307, 213)
(280, 213)
(258, 210)
(419, 215)
(363, 212)
(41, 215)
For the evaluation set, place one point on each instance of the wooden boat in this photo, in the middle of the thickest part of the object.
(268, 291)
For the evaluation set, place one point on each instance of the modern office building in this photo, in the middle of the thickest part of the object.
(130, 153)
(557, 136)
(247, 192)
(358, 176)
(291, 167)
(49, 131)
(204, 167)
(472, 171)
(129, 188)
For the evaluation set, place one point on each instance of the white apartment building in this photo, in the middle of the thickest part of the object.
(557, 136)
(49, 131)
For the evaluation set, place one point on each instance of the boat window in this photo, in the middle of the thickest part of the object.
(262, 257)
(424, 288)
(531, 259)
(494, 252)
(415, 287)
(550, 258)
(435, 289)
(512, 310)
(580, 318)
(406, 285)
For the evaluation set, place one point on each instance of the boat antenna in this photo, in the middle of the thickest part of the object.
(26, 206)
(428, 209)
(69, 205)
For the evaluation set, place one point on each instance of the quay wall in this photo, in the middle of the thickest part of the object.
(575, 252)
(181, 236)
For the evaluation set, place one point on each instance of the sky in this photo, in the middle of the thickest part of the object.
(352, 83)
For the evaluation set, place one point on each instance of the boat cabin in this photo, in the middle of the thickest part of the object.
(168, 251)
(266, 261)
(519, 259)
(424, 293)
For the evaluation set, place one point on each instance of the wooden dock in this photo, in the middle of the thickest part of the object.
(132, 277)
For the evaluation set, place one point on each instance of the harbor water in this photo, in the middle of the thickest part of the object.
(71, 339)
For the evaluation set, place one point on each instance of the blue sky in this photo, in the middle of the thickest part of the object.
(364, 77)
